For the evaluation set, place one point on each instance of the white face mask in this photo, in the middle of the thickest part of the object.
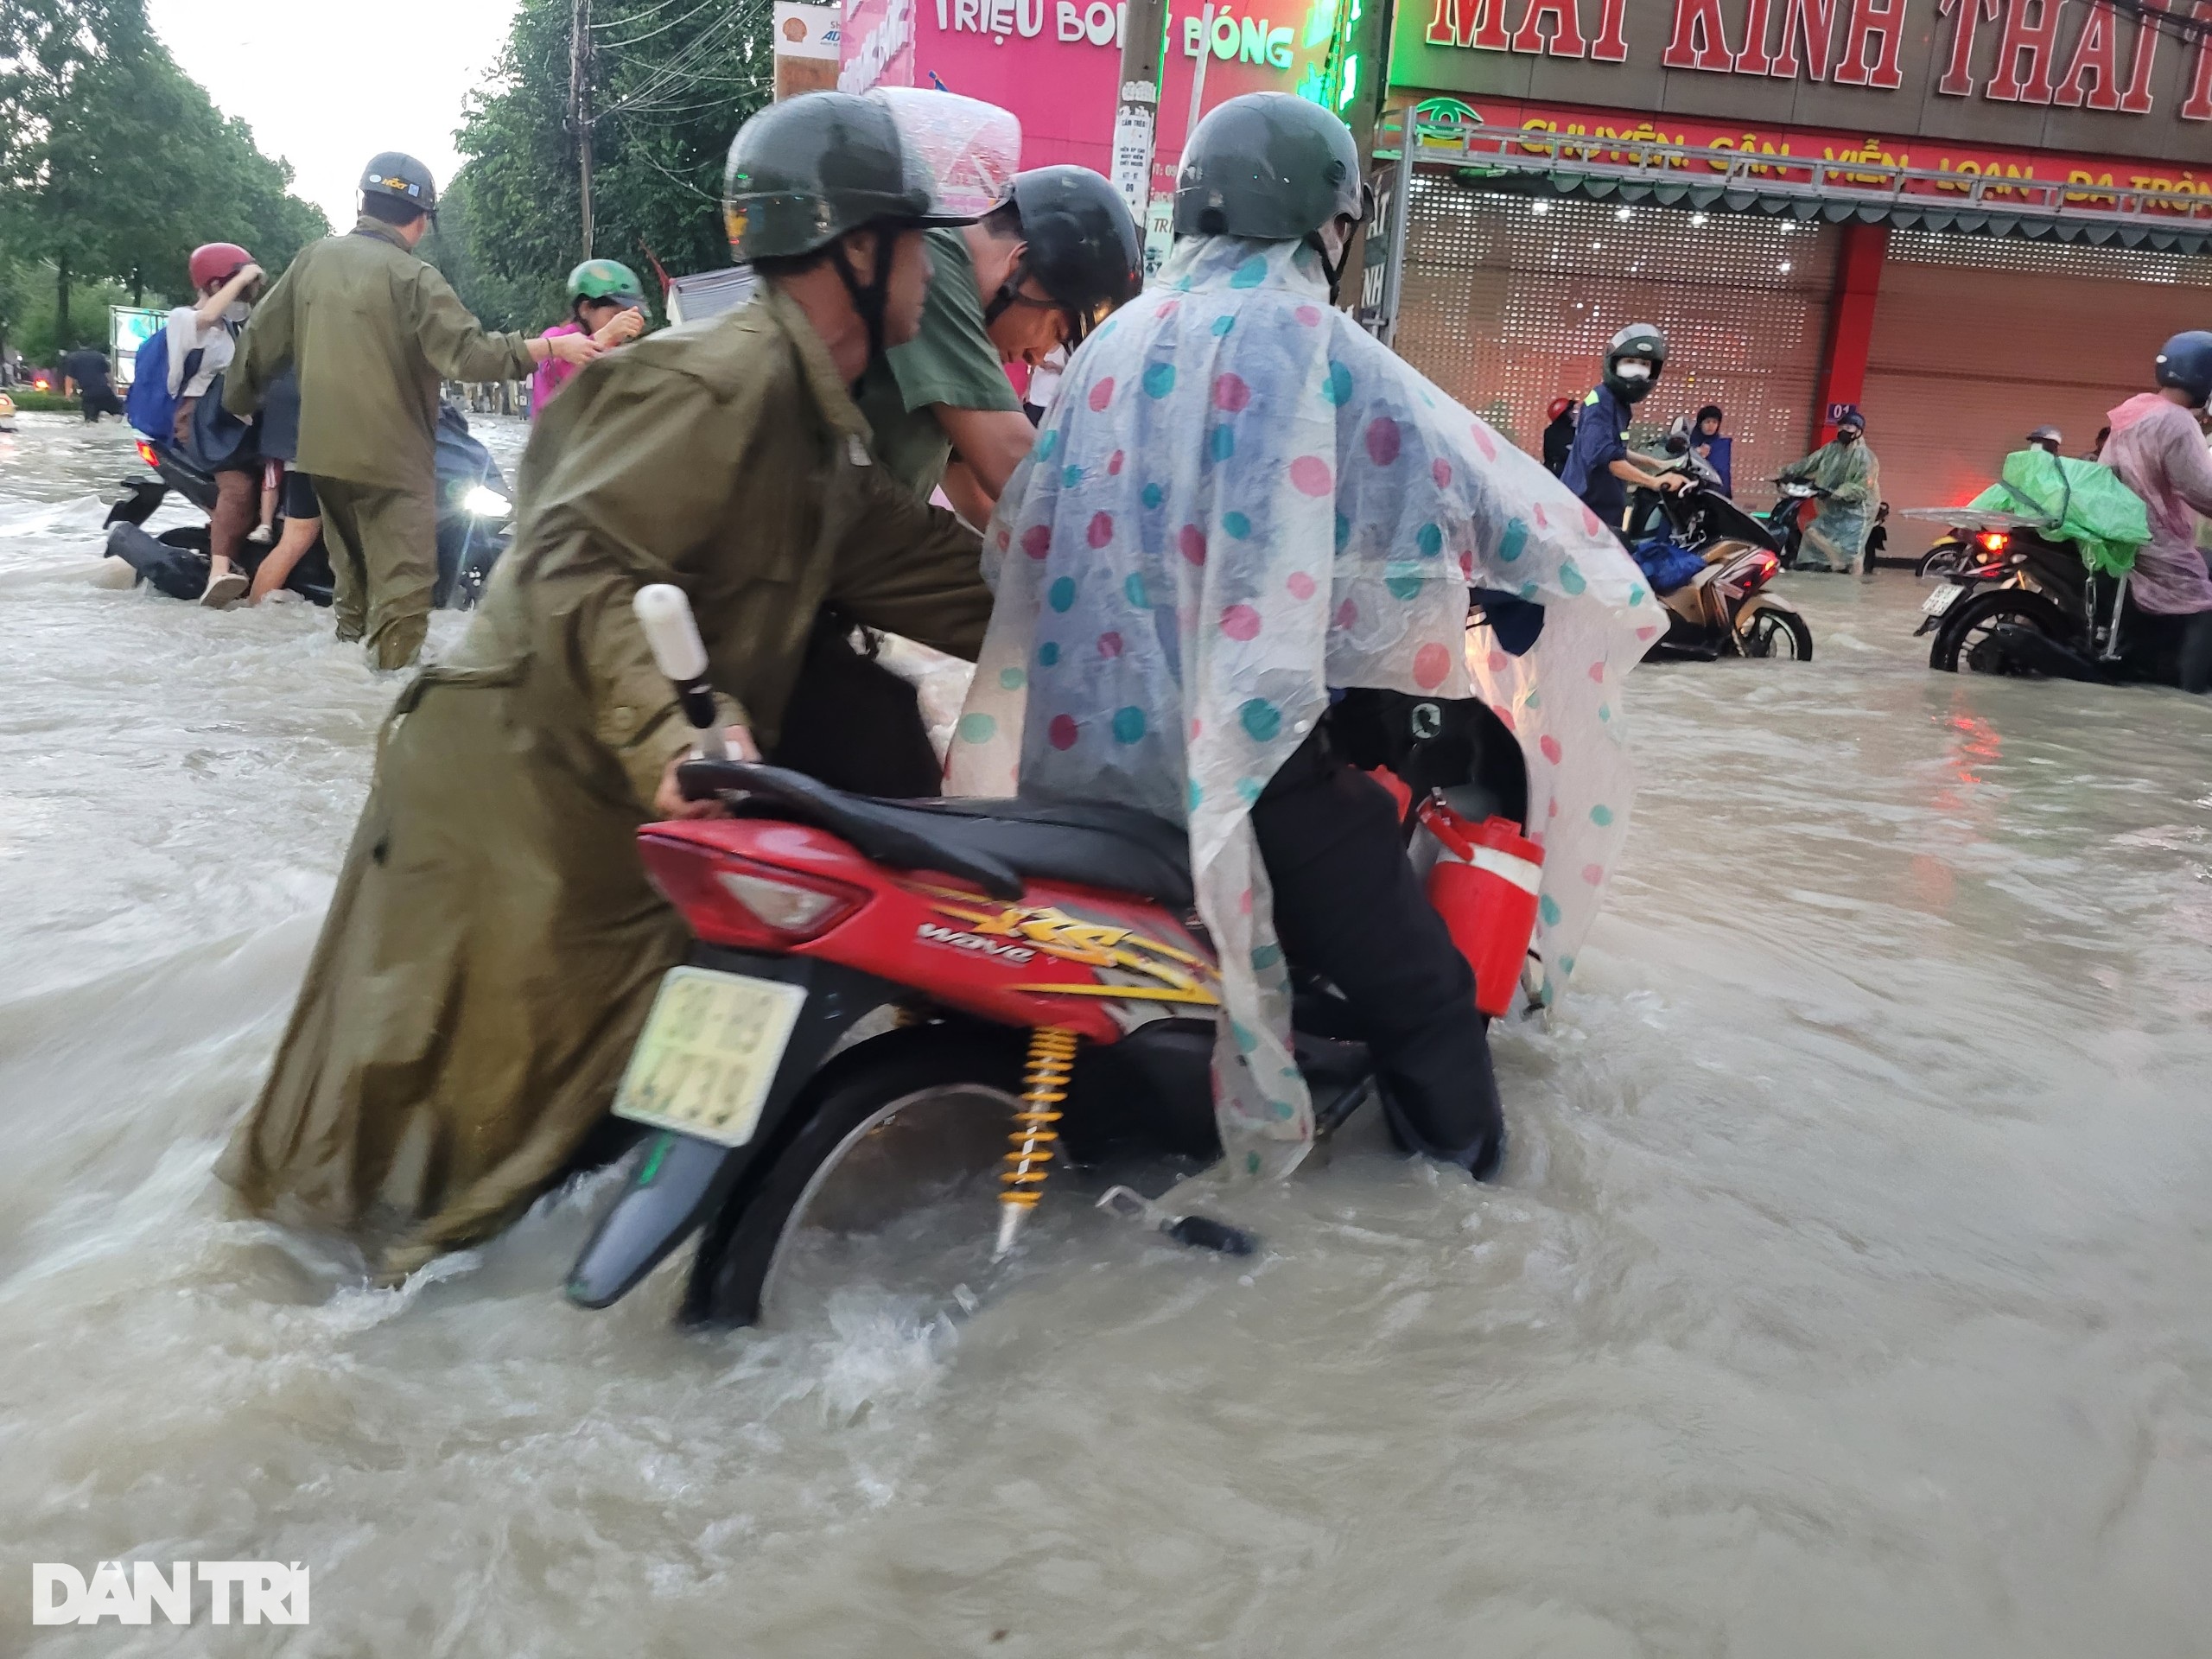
(1633, 368)
(237, 311)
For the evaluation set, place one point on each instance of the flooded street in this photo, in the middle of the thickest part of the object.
(1846, 1292)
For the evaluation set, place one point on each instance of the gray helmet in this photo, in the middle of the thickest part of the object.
(805, 172)
(1083, 245)
(399, 176)
(1268, 165)
(1637, 339)
(2048, 436)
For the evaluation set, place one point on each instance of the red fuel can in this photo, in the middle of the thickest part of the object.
(1485, 886)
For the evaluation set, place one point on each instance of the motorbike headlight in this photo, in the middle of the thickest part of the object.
(486, 503)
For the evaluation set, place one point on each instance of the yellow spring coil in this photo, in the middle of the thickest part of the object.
(1051, 1056)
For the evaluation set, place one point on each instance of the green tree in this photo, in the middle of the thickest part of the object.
(671, 82)
(116, 164)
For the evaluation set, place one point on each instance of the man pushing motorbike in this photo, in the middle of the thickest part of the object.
(1239, 503)
(494, 945)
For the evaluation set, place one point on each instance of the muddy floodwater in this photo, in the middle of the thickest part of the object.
(1848, 1291)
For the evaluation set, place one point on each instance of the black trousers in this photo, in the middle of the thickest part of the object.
(1349, 907)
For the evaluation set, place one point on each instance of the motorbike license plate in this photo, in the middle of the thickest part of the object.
(1941, 600)
(708, 1054)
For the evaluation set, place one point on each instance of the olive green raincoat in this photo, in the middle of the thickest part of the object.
(372, 330)
(493, 945)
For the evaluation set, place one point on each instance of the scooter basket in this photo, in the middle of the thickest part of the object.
(1484, 885)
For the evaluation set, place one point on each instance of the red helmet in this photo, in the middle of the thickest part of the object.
(1559, 406)
(216, 263)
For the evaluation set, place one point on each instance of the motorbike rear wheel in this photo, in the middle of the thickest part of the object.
(1773, 632)
(1964, 639)
(889, 1181)
(1941, 560)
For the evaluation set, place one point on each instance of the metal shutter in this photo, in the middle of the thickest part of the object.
(1507, 302)
(1977, 341)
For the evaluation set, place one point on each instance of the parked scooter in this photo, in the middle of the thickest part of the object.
(474, 509)
(883, 991)
(1725, 608)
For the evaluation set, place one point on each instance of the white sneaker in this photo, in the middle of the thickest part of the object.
(226, 589)
(263, 535)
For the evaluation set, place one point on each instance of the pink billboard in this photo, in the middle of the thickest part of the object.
(1056, 63)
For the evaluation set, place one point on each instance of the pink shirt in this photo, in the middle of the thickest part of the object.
(2158, 452)
(552, 374)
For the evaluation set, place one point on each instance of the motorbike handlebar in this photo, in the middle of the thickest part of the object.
(663, 612)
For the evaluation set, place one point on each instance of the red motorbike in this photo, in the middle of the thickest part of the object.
(880, 990)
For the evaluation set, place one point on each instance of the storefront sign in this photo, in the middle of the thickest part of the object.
(2045, 73)
(1057, 64)
(1575, 132)
(806, 48)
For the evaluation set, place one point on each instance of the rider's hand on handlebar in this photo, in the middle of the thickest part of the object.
(1676, 481)
(668, 799)
(575, 350)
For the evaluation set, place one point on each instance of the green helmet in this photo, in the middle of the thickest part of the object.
(805, 172)
(1270, 165)
(606, 279)
(1638, 340)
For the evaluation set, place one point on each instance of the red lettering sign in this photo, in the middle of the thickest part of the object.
(1754, 58)
(2197, 106)
(1479, 24)
(1565, 31)
(1958, 78)
(1812, 21)
(2136, 100)
(2093, 77)
(1883, 27)
(2025, 56)
(1611, 44)
(1700, 41)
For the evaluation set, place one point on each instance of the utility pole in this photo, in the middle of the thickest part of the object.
(580, 105)
(1144, 41)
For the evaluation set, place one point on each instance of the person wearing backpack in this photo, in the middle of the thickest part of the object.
(201, 340)
(373, 329)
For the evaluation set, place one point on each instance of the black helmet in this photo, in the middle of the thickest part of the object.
(805, 172)
(1083, 245)
(2186, 361)
(1637, 339)
(1273, 167)
(400, 176)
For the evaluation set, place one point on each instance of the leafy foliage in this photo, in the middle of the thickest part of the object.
(671, 81)
(115, 164)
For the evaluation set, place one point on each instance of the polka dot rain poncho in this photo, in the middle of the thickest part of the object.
(1238, 501)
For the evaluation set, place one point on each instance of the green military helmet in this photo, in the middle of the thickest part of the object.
(396, 173)
(1270, 165)
(805, 172)
(606, 279)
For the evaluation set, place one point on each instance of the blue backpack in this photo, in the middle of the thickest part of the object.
(151, 406)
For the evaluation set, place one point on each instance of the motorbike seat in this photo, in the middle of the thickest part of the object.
(995, 843)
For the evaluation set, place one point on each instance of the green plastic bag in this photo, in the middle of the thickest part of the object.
(2076, 501)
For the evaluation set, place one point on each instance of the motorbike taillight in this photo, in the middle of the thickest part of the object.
(1993, 541)
(742, 902)
(146, 453)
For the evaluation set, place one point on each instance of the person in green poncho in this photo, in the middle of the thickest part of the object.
(1847, 469)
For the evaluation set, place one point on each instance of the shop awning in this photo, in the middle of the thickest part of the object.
(1639, 170)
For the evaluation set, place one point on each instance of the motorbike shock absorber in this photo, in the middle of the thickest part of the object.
(1052, 1058)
